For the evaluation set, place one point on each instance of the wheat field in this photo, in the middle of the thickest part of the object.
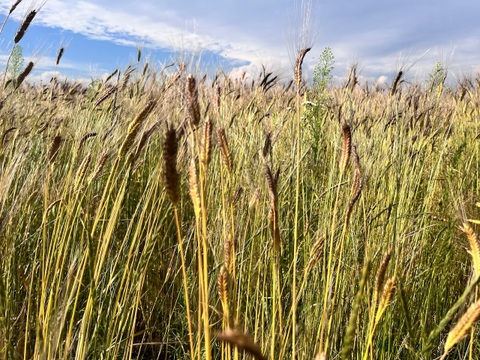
(167, 214)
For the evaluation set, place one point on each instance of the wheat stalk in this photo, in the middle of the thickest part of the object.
(170, 174)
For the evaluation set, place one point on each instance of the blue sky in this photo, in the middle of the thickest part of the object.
(241, 36)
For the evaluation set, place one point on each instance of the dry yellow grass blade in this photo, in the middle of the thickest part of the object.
(463, 326)
(242, 341)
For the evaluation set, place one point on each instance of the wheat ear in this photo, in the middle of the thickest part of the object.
(463, 326)
(241, 341)
(23, 28)
(474, 246)
(172, 178)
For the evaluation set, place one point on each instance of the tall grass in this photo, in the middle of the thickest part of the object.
(164, 215)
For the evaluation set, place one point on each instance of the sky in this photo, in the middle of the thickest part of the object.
(380, 36)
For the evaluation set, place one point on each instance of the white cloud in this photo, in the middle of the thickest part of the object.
(369, 32)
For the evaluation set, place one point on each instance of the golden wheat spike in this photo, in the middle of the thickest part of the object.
(82, 170)
(474, 246)
(463, 326)
(194, 189)
(242, 341)
(387, 294)
(222, 284)
(382, 269)
(206, 151)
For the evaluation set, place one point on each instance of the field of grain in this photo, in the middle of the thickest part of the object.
(164, 214)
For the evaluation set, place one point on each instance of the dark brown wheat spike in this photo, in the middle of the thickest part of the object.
(52, 154)
(396, 83)
(85, 138)
(171, 176)
(267, 146)
(178, 75)
(106, 95)
(22, 76)
(14, 6)
(59, 55)
(217, 96)
(242, 342)
(192, 100)
(298, 66)
(111, 75)
(23, 28)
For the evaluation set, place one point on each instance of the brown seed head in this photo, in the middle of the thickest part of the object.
(346, 146)
(192, 100)
(85, 138)
(225, 150)
(170, 174)
(52, 154)
(23, 28)
(298, 66)
(14, 6)
(59, 55)
(21, 77)
(242, 342)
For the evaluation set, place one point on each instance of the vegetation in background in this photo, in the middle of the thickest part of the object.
(163, 215)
